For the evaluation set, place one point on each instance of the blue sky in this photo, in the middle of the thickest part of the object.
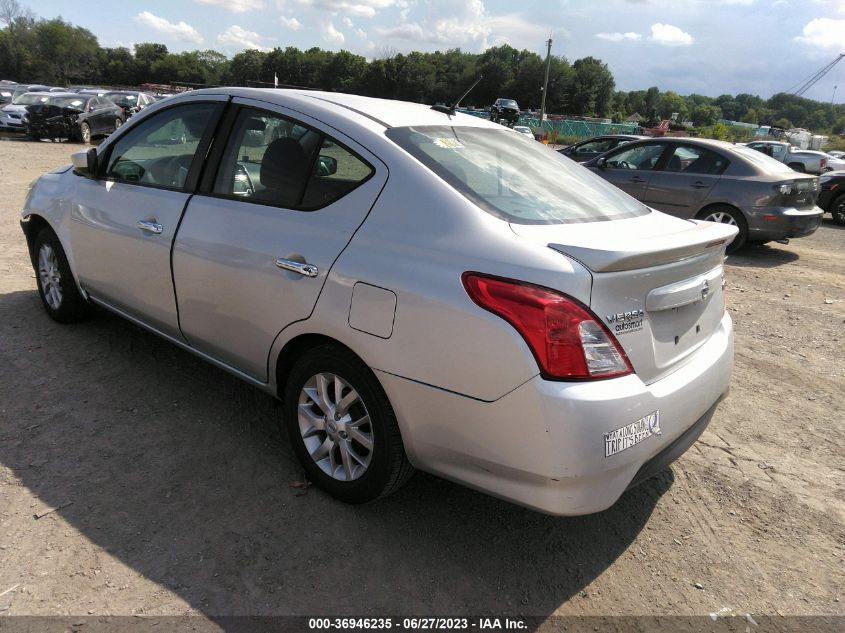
(706, 46)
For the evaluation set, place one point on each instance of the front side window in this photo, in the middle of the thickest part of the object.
(160, 150)
(515, 178)
(275, 160)
(637, 157)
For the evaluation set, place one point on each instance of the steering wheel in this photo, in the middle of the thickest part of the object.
(623, 165)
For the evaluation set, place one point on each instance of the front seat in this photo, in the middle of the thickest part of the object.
(283, 171)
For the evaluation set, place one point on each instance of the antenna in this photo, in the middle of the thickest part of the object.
(450, 110)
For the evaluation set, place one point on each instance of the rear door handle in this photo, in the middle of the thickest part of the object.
(699, 185)
(152, 227)
(637, 179)
(307, 270)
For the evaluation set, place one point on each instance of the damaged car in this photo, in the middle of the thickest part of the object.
(131, 102)
(78, 117)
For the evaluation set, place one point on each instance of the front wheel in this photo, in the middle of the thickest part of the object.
(342, 427)
(56, 285)
(117, 123)
(728, 215)
(799, 167)
(837, 209)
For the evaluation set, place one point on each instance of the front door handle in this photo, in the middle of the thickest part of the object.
(637, 180)
(699, 185)
(308, 270)
(152, 227)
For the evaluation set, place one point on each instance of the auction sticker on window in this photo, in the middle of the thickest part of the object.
(448, 143)
(632, 434)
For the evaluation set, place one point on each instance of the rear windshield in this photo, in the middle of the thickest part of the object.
(513, 177)
(762, 161)
(67, 102)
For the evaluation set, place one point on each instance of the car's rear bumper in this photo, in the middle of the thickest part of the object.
(768, 224)
(543, 445)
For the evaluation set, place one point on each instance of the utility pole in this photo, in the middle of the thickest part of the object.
(546, 81)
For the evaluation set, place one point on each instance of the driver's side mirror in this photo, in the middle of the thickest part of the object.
(85, 162)
(601, 163)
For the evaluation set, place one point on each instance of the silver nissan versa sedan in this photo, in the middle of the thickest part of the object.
(421, 289)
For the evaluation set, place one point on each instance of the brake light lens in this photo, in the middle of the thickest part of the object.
(567, 340)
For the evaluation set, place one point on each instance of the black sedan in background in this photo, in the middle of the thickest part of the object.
(592, 147)
(78, 117)
(832, 195)
(130, 101)
(718, 182)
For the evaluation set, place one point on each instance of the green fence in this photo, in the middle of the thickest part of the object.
(567, 127)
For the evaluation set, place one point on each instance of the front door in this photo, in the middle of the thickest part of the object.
(631, 167)
(123, 223)
(256, 244)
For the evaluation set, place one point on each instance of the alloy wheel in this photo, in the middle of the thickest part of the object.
(335, 427)
(721, 217)
(50, 276)
(86, 133)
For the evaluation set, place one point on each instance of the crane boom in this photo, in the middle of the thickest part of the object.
(815, 78)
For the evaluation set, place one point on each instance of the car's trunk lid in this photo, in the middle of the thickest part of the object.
(657, 282)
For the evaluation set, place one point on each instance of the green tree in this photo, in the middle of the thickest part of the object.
(705, 115)
(246, 67)
(67, 53)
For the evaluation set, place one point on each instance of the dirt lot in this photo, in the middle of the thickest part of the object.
(170, 479)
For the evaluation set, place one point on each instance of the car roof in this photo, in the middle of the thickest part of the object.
(385, 112)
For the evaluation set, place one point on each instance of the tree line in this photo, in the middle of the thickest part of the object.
(57, 52)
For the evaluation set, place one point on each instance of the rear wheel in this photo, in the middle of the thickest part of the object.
(798, 167)
(837, 209)
(724, 214)
(56, 285)
(342, 426)
(117, 123)
(85, 132)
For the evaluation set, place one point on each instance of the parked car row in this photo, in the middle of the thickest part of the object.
(77, 113)
(803, 160)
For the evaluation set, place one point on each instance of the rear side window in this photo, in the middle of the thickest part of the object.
(598, 146)
(274, 160)
(159, 151)
(696, 160)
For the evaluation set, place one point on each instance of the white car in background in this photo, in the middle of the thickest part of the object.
(523, 129)
(413, 294)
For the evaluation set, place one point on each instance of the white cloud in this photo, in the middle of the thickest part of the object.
(619, 37)
(292, 23)
(331, 34)
(348, 23)
(669, 35)
(237, 38)
(235, 6)
(180, 31)
(361, 8)
(824, 33)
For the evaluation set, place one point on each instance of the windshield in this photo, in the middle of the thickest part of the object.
(762, 161)
(513, 177)
(67, 102)
(507, 103)
(30, 98)
(123, 100)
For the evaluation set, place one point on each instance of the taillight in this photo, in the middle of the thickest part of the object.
(567, 340)
(823, 162)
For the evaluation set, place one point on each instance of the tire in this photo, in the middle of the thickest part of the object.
(799, 167)
(837, 209)
(724, 214)
(117, 123)
(375, 463)
(56, 285)
(85, 133)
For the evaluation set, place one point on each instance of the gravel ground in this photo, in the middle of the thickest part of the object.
(170, 480)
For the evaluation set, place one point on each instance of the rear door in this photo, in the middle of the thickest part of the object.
(123, 222)
(256, 244)
(631, 167)
(683, 182)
